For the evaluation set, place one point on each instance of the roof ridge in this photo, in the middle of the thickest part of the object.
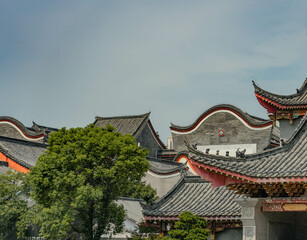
(304, 86)
(298, 93)
(124, 116)
(176, 187)
(164, 161)
(21, 126)
(249, 118)
(165, 197)
(24, 141)
(142, 125)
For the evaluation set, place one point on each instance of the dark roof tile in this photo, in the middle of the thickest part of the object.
(124, 124)
(294, 100)
(290, 160)
(196, 195)
(23, 152)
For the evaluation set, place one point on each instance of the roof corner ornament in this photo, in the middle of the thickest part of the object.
(207, 150)
(240, 154)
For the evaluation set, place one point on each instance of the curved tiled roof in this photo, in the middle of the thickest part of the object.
(23, 152)
(250, 120)
(197, 196)
(124, 124)
(288, 162)
(164, 167)
(297, 100)
(27, 132)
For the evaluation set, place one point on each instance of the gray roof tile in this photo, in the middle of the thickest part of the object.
(23, 152)
(290, 160)
(124, 124)
(161, 166)
(197, 196)
(294, 100)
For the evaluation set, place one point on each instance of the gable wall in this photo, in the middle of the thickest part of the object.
(12, 131)
(235, 133)
(147, 140)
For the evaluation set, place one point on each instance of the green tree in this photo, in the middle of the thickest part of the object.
(78, 179)
(142, 191)
(189, 227)
(13, 202)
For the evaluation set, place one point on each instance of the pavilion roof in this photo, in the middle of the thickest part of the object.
(285, 163)
(197, 196)
(297, 100)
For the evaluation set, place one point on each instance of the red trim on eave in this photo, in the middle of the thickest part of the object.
(185, 157)
(229, 176)
(12, 164)
(217, 109)
(283, 107)
(33, 137)
(155, 135)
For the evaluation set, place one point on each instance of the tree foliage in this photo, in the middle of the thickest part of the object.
(142, 191)
(13, 203)
(78, 179)
(189, 227)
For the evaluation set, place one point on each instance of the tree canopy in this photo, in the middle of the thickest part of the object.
(78, 179)
(189, 227)
(12, 202)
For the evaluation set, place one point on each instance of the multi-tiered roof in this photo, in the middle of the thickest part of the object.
(283, 106)
(284, 167)
(297, 100)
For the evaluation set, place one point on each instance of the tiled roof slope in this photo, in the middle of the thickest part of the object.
(251, 120)
(297, 100)
(23, 152)
(288, 162)
(197, 196)
(124, 124)
(161, 166)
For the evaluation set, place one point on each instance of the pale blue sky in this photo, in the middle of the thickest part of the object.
(64, 62)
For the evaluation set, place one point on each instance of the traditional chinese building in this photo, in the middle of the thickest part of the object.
(139, 126)
(20, 146)
(163, 174)
(275, 182)
(196, 195)
(223, 129)
(287, 109)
